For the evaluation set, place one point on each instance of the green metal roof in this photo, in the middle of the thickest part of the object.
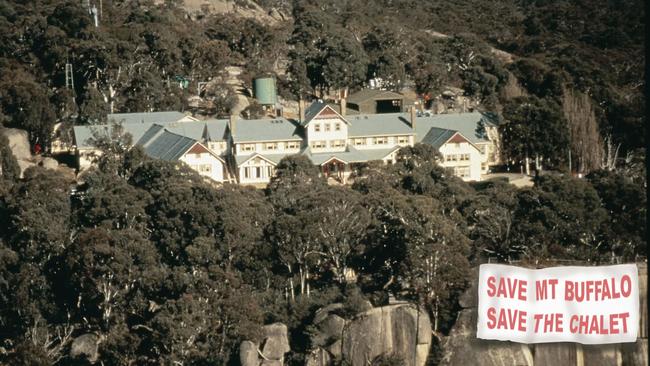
(147, 117)
(465, 123)
(83, 134)
(379, 125)
(259, 130)
(274, 158)
(378, 154)
(350, 155)
(212, 129)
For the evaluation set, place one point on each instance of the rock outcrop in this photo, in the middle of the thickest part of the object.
(400, 331)
(462, 347)
(85, 347)
(19, 145)
(268, 353)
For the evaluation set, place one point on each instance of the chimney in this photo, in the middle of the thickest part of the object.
(301, 110)
(344, 106)
(232, 121)
(413, 117)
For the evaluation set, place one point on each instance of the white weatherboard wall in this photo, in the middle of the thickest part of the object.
(205, 164)
(473, 164)
(262, 148)
(327, 136)
(218, 147)
(256, 171)
(369, 142)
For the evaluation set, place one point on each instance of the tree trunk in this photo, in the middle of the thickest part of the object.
(527, 165)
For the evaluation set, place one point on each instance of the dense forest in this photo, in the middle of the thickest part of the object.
(170, 269)
(133, 60)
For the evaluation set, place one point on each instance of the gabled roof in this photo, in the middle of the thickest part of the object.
(260, 130)
(350, 155)
(161, 144)
(379, 125)
(149, 117)
(364, 95)
(437, 137)
(320, 108)
(465, 123)
(440, 136)
(271, 158)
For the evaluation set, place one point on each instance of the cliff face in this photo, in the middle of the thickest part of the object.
(462, 347)
(400, 331)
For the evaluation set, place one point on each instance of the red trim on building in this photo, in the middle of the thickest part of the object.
(327, 112)
(198, 148)
(457, 139)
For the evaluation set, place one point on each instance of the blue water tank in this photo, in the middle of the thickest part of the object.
(265, 91)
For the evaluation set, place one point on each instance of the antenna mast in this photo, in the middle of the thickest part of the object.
(69, 76)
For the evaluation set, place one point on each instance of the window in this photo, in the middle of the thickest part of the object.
(396, 103)
(205, 168)
(269, 171)
(451, 157)
(270, 146)
(358, 142)
(197, 156)
(464, 157)
(402, 140)
(248, 147)
(462, 172)
(337, 143)
(292, 145)
(380, 140)
(317, 127)
(318, 144)
(247, 172)
(258, 172)
(327, 127)
(337, 126)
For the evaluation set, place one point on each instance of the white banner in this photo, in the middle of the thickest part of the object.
(589, 305)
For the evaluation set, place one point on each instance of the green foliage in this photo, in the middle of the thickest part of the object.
(624, 233)
(534, 128)
(9, 168)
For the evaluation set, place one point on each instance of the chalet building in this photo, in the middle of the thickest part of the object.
(247, 151)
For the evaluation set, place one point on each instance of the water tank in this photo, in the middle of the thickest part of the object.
(264, 89)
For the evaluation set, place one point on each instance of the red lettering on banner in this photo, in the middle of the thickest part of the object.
(506, 319)
(598, 324)
(597, 290)
(507, 288)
